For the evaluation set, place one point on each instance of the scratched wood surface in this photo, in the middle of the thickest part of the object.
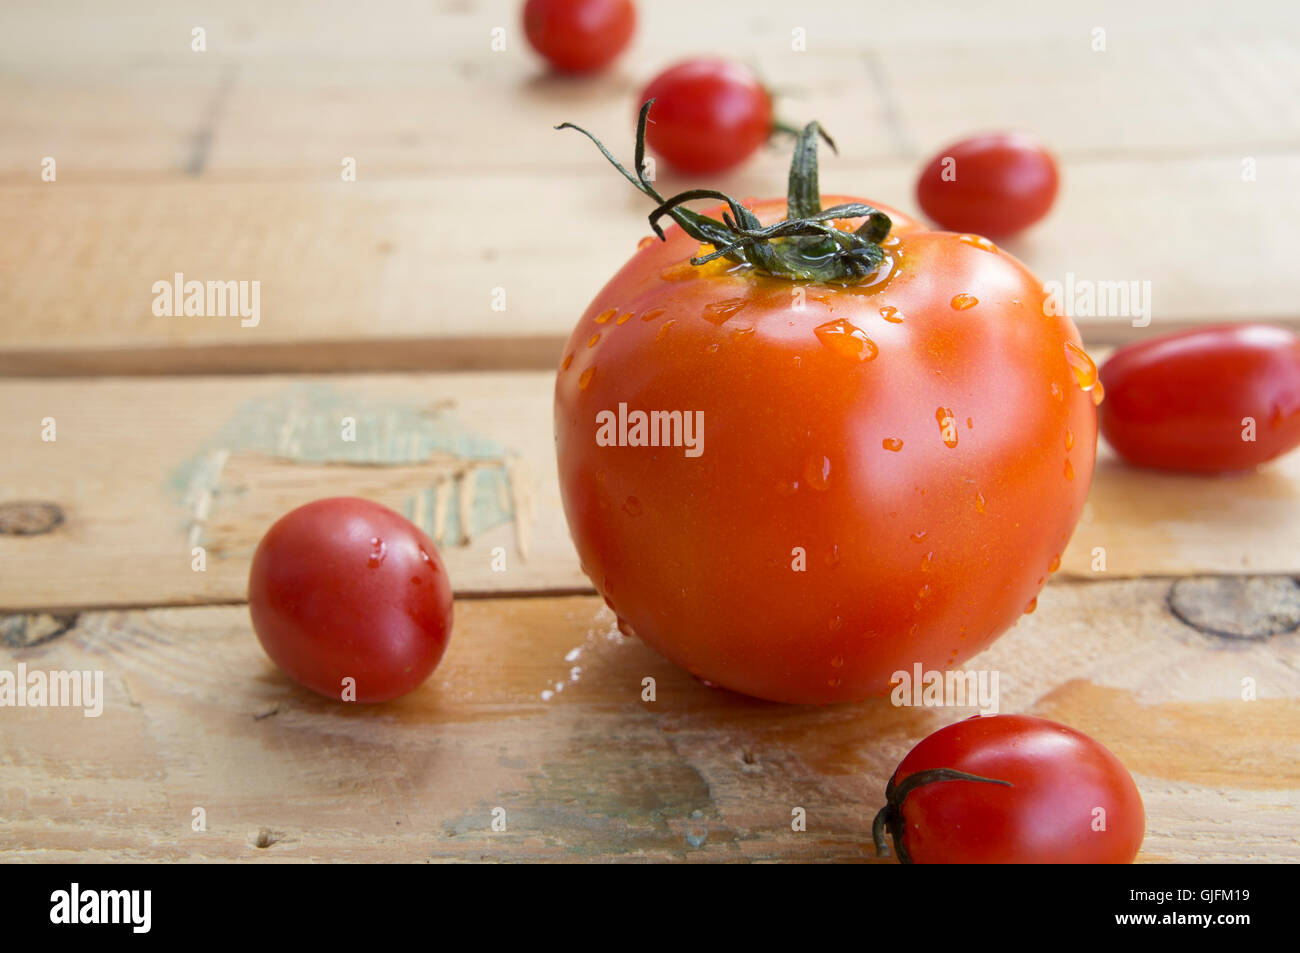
(174, 433)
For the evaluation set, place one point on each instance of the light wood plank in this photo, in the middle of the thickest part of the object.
(145, 469)
(537, 710)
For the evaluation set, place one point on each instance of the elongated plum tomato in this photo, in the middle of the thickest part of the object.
(890, 445)
(346, 588)
(579, 36)
(1011, 789)
(1219, 398)
(995, 185)
(709, 115)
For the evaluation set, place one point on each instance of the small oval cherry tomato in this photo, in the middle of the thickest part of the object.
(995, 185)
(1219, 398)
(1011, 789)
(709, 115)
(346, 588)
(578, 36)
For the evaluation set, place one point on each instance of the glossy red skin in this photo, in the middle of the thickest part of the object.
(1058, 777)
(709, 115)
(579, 36)
(703, 573)
(1004, 183)
(1177, 402)
(323, 610)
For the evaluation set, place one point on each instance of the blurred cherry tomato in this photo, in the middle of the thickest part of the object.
(1011, 789)
(1219, 398)
(346, 588)
(578, 36)
(709, 115)
(994, 185)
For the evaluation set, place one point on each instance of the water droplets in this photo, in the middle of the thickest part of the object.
(918, 536)
(1098, 394)
(1069, 439)
(1085, 371)
(892, 315)
(1055, 564)
(1069, 470)
(651, 314)
(846, 340)
(927, 561)
(378, 550)
(663, 328)
(568, 359)
(606, 316)
(1031, 605)
(980, 242)
(719, 312)
(979, 503)
(892, 444)
(964, 302)
(742, 334)
(817, 472)
(584, 379)
(645, 242)
(591, 341)
(624, 318)
(1057, 393)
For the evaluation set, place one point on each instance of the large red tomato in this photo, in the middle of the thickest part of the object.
(890, 466)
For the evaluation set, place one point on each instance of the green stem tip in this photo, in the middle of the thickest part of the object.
(804, 246)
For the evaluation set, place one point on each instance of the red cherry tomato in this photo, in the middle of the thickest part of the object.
(890, 466)
(579, 36)
(993, 185)
(1210, 399)
(1038, 793)
(346, 588)
(709, 115)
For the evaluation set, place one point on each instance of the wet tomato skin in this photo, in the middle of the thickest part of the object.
(709, 115)
(347, 588)
(1058, 776)
(996, 185)
(827, 535)
(579, 36)
(1181, 401)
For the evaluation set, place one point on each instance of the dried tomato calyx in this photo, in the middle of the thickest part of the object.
(805, 246)
(891, 815)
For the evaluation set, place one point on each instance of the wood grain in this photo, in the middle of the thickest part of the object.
(143, 470)
(537, 709)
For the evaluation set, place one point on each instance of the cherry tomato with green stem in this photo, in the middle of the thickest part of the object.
(344, 588)
(995, 185)
(1212, 399)
(579, 36)
(1011, 789)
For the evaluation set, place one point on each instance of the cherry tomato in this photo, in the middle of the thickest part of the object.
(1012, 789)
(346, 588)
(890, 466)
(1218, 398)
(709, 115)
(579, 36)
(993, 185)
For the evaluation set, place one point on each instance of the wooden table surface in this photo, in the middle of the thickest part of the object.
(1179, 142)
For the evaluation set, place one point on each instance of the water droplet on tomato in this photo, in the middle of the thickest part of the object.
(918, 536)
(1069, 439)
(833, 556)
(980, 242)
(645, 242)
(947, 427)
(1033, 604)
(979, 502)
(837, 661)
(605, 316)
(741, 334)
(713, 348)
(1085, 371)
(585, 377)
(1056, 391)
(892, 443)
(624, 318)
(663, 328)
(1069, 470)
(718, 312)
(926, 560)
(378, 550)
(651, 314)
(568, 359)
(964, 302)
(892, 315)
(1098, 394)
(591, 341)
(817, 472)
(846, 340)
(632, 506)
(1055, 564)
